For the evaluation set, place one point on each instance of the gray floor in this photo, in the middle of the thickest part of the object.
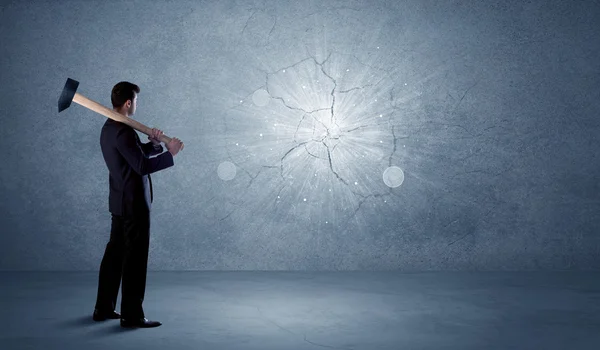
(293, 310)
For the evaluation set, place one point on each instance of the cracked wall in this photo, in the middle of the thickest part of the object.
(319, 135)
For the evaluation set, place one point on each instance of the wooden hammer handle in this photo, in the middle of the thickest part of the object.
(98, 108)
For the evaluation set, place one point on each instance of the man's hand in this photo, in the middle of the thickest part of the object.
(155, 135)
(174, 146)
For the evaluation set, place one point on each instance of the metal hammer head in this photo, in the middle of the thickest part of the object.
(67, 94)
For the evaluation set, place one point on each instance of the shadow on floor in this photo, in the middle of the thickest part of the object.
(81, 321)
(107, 327)
(110, 330)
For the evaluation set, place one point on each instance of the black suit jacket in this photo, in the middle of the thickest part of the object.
(130, 164)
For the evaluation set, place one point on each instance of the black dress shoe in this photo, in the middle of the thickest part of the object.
(139, 323)
(102, 316)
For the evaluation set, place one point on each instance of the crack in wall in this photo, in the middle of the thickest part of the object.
(329, 134)
(328, 138)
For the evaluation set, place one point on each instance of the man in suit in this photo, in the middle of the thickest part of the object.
(130, 163)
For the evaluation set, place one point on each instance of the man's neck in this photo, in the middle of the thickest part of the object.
(118, 111)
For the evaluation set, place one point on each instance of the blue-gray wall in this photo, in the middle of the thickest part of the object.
(490, 109)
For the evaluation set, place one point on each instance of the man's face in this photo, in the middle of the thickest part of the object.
(133, 105)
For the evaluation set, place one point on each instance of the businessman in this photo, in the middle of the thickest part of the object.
(130, 163)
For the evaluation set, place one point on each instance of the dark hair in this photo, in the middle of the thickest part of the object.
(122, 92)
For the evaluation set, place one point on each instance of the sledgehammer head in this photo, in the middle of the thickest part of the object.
(67, 94)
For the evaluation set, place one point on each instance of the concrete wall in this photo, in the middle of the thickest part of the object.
(320, 135)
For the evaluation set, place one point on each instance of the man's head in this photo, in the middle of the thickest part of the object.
(124, 97)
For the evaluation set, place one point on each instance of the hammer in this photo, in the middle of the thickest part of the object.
(69, 94)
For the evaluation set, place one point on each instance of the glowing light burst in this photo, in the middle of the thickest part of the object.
(316, 139)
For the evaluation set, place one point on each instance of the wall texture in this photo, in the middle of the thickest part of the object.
(319, 135)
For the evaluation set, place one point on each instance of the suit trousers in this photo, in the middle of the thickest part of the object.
(126, 258)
